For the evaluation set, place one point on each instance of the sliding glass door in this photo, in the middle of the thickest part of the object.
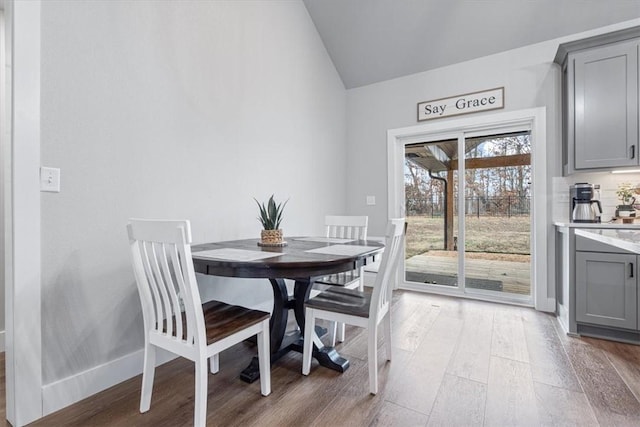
(431, 183)
(470, 235)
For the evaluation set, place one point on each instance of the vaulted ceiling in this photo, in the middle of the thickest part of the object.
(375, 40)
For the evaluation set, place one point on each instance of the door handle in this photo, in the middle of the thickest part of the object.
(633, 151)
(631, 269)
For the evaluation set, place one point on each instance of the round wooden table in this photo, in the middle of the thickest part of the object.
(294, 262)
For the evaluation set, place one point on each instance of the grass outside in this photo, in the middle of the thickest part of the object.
(501, 238)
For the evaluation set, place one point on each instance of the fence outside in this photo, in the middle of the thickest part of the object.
(507, 206)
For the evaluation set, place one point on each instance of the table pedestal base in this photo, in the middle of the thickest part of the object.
(286, 341)
(326, 356)
(329, 358)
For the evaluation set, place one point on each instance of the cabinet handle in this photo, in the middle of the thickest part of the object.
(633, 151)
(631, 269)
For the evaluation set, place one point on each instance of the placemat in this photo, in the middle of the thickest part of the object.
(342, 250)
(233, 254)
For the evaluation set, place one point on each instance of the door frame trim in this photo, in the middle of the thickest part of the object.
(535, 119)
(22, 214)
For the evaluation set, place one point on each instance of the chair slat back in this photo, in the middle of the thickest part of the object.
(386, 273)
(346, 227)
(161, 255)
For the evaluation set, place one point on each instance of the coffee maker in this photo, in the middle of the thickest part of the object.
(584, 206)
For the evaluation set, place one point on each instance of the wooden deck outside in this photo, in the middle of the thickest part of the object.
(514, 275)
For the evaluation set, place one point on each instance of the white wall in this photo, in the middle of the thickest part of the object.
(173, 110)
(3, 137)
(528, 76)
(530, 79)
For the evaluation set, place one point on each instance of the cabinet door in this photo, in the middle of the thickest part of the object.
(606, 289)
(606, 106)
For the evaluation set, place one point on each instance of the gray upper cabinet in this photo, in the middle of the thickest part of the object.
(600, 101)
(605, 106)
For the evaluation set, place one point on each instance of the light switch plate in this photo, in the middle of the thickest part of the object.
(50, 179)
(371, 200)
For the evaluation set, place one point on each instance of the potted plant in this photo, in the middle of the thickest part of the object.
(270, 218)
(625, 194)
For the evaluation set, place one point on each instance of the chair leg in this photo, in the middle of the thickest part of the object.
(340, 336)
(387, 333)
(214, 363)
(264, 359)
(333, 334)
(373, 359)
(341, 326)
(200, 407)
(309, 325)
(148, 372)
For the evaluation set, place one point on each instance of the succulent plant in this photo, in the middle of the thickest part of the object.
(271, 213)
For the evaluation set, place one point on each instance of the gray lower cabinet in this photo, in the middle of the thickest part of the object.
(606, 289)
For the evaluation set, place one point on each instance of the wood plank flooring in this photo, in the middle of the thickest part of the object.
(456, 362)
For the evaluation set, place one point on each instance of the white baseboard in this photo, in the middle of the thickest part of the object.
(67, 391)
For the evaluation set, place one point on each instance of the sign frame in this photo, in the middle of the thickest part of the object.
(472, 102)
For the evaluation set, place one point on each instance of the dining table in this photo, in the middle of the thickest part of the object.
(302, 260)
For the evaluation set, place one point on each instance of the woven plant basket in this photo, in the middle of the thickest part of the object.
(271, 237)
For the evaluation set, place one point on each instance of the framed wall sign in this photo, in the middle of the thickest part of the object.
(485, 100)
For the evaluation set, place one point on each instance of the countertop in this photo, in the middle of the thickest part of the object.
(628, 240)
(600, 225)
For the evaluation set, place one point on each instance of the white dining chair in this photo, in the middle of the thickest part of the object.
(175, 318)
(344, 227)
(363, 309)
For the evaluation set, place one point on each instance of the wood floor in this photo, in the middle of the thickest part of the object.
(456, 363)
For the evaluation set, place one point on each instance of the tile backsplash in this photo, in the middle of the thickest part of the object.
(608, 185)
